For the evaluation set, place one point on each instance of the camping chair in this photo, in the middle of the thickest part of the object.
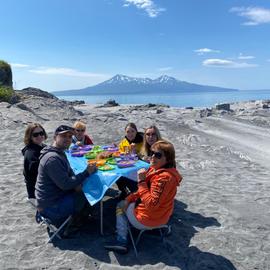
(51, 229)
(135, 243)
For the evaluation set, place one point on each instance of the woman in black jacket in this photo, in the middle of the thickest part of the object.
(34, 137)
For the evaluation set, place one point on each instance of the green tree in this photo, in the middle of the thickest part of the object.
(6, 89)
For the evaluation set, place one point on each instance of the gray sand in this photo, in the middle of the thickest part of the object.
(221, 218)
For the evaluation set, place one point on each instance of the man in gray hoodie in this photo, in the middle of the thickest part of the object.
(58, 189)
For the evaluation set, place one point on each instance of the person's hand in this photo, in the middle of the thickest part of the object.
(91, 168)
(141, 175)
(123, 205)
(133, 148)
(79, 143)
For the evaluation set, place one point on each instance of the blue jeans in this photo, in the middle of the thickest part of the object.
(61, 210)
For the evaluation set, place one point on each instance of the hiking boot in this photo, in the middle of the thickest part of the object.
(117, 246)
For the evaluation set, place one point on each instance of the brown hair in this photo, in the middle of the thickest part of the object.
(132, 125)
(29, 131)
(168, 149)
(146, 148)
(79, 124)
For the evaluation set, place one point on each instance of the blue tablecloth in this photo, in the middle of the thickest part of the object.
(95, 186)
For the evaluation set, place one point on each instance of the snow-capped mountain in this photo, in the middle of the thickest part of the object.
(122, 84)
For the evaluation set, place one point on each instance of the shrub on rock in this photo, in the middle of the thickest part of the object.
(5, 74)
(6, 93)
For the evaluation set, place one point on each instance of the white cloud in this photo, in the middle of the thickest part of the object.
(203, 51)
(65, 72)
(165, 68)
(17, 65)
(148, 5)
(245, 57)
(254, 15)
(224, 63)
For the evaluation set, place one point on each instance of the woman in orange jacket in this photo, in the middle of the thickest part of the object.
(152, 205)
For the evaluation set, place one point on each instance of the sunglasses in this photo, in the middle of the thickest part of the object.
(150, 134)
(157, 155)
(80, 130)
(36, 134)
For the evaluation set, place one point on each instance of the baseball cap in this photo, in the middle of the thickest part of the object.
(63, 129)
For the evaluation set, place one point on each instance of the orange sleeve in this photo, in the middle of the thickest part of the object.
(132, 197)
(151, 197)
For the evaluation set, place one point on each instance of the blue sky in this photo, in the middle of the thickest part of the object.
(63, 44)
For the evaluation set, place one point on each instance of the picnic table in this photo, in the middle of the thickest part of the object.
(96, 185)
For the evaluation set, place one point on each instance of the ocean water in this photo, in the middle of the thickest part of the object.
(206, 99)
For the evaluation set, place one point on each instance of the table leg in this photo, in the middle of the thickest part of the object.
(101, 216)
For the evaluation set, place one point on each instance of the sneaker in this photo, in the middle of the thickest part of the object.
(117, 246)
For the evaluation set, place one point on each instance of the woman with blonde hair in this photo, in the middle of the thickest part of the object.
(80, 137)
(151, 135)
(34, 137)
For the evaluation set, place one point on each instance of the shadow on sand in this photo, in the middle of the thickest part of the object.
(177, 252)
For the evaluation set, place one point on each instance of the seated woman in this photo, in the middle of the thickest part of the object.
(34, 137)
(133, 139)
(80, 138)
(132, 142)
(152, 205)
(151, 135)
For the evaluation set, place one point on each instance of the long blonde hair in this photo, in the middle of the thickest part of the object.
(146, 148)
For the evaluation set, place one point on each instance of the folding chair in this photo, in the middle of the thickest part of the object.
(51, 229)
(135, 243)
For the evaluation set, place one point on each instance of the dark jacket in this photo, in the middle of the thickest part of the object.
(31, 155)
(55, 177)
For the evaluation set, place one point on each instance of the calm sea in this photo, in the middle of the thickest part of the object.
(207, 99)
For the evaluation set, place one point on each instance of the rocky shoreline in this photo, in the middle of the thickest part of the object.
(221, 218)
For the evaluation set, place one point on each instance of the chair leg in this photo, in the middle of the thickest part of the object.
(101, 217)
(59, 229)
(139, 236)
(132, 241)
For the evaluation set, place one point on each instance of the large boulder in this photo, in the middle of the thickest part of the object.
(31, 91)
(5, 74)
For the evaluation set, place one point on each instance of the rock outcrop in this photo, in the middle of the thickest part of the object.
(5, 74)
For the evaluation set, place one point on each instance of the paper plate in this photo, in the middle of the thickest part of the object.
(86, 147)
(106, 167)
(78, 154)
(111, 161)
(90, 155)
(110, 148)
(125, 163)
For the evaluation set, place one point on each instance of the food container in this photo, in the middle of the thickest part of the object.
(125, 163)
(90, 155)
(98, 162)
(106, 167)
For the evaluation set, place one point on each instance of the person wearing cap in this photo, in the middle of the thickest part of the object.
(58, 189)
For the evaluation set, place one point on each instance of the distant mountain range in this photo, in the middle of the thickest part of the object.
(121, 84)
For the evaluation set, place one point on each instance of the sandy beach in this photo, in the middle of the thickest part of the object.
(221, 218)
